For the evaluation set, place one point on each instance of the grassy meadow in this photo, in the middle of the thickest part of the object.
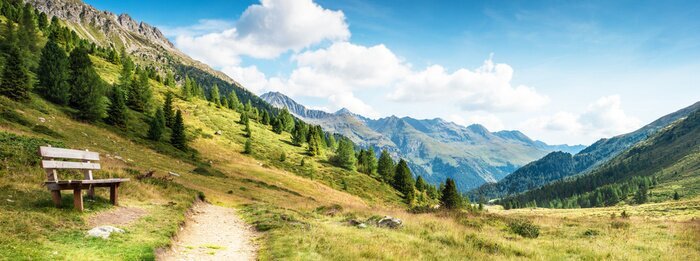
(302, 212)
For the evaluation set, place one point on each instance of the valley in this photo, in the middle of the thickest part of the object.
(217, 172)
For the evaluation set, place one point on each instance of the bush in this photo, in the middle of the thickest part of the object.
(591, 232)
(619, 225)
(524, 228)
(283, 156)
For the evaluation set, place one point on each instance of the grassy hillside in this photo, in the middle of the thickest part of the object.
(668, 162)
(302, 212)
(557, 165)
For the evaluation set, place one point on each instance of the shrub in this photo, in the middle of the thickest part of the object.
(283, 156)
(524, 228)
(619, 225)
(591, 232)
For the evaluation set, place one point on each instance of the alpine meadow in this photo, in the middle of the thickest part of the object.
(349, 130)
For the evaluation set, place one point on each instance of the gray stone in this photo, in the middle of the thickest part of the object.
(104, 231)
(219, 132)
(362, 225)
(389, 222)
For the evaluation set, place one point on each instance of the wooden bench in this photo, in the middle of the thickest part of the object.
(54, 159)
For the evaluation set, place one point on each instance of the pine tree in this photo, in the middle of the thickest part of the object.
(157, 125)
(641, 196)
(87, 92)
(187, 88)
(168, 112)
(299, 134)
(177, 139)
(277, 125)
(265, 118)
(676, 196)
(53, 74)
(233, 101)
(450, 197)
(314, 141)
(248, 147)
(27, 30)
(248, 131)
(287, 120)
(345, 155)
(403, 180)
(43, 21)
(140, 92)
(420, 184)
(215, 96)
(15, 76)
(385, 167)
(117, 114)
(330, 142)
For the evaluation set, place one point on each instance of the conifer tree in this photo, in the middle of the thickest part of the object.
(420, 184)
(43, 21)
(641, 196)
(403, 180)
(157, 125)
(118, 113)
(177, 139)
(265, 117)
(277, 126)
(168, 112)
(248, 131)
(314, 141)
(140, 92)
(248, 147)
(15, 76)
(27, 30)
(87, 92)
(385, 167)
(233, 102)
(53, 74)
(330, 142)
(187, 89)
(215, 97)
(345, 155)
(450, 197)
(299, 134)
(676, 196)
(287, 120)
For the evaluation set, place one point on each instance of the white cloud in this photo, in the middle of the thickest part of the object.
(203, 26)
(602, 118)
(250, 77)
(487, 88)
(264, 31)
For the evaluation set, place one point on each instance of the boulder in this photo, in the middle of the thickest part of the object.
(361, 226)
(389, 222)
(219, 132)
(104, 231)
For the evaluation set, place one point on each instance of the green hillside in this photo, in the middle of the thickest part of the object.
(559, 165)
(300, 204)
(653, 170)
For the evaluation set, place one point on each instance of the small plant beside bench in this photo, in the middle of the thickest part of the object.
(54, 159)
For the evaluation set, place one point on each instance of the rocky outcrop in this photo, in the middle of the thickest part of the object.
(109, 23)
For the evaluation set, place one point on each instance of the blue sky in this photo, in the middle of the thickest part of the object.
(560, 72)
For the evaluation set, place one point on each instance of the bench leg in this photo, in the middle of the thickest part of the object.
(91, 192)
(78, 199)
(56, 197)
(114, 194)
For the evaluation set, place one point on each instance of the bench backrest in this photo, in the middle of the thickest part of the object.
(54, 159)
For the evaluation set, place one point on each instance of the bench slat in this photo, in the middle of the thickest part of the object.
(91, 181)
(51, 152)
(52, 164)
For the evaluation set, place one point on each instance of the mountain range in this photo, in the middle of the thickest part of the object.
(435, 149)
(559, 165)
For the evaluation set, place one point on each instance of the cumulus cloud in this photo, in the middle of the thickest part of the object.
(487, 88)
(264, 31)
(602, 118)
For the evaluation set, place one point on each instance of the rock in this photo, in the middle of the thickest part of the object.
(173, 174)
(389, 222)
(42, 119)
(104, 231)
(219, 132)
(361, 226)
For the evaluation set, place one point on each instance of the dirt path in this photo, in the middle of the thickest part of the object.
(212, 233)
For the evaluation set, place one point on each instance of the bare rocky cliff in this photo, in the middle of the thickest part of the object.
(140, 39)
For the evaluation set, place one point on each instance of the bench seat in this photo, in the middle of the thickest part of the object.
(72, 184)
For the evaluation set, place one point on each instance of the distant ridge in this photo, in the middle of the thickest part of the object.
(435, 148)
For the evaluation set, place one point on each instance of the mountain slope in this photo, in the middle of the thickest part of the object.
(435, 149)
(669, 157)
(556, 166)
